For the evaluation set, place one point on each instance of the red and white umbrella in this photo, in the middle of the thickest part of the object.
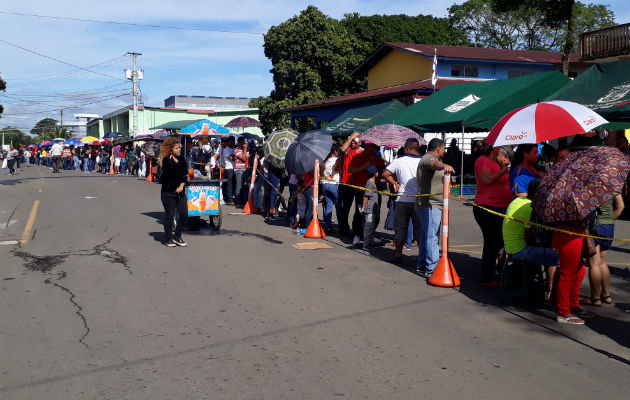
(543, 121)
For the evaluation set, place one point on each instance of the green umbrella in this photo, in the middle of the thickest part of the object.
(276, 146)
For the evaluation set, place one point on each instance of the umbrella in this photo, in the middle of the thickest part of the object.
(543, 121)
(276, 146)
(243, 122)
(161, 135)
(390, 135)
(307, 147)
(144, 136)
(58, 139)
(111, 135)
(204, 127)
(89, 139)
(580, 183)
(249, 136)
(151, 149)
(44, 143)
(122, 140)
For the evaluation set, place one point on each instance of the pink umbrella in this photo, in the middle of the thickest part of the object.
(390, 135)
(543, 121)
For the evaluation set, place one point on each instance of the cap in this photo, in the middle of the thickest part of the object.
(356, 139)
(371, 170)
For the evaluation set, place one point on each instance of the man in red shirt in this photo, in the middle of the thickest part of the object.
(349, 150)
(357, 168)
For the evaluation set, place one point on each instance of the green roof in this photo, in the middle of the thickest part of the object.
(177, 125)
(603, 88)
(479, 105)
(360, 119)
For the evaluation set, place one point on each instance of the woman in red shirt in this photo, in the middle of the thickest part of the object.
(493, 192)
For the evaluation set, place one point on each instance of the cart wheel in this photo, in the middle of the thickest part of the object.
(217, 220)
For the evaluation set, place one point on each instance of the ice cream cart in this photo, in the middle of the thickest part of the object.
(204, 199)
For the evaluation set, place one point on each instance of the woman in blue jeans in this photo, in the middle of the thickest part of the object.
(330, 185)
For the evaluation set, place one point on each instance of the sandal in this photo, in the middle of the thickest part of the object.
(569, 319)
(593, 301)
(606, 299)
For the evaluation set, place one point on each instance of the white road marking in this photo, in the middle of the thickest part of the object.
(8, 242)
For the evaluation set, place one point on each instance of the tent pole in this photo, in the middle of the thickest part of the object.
(461, 170)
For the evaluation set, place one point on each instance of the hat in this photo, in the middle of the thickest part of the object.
(371, 170)
(356, 139)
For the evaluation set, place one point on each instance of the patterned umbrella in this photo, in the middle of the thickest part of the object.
(580, 183)
(390, 135)
(144, 136)
(307, 147)
(276, 146)
(243, 122)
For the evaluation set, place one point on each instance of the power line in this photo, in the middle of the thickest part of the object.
(80, 92)
(59, 61)
(66, 108)
(61, 74)
(132, 24)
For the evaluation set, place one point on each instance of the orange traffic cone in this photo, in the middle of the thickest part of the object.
(150, 175)
(250, 207)
(315, 230)
(444, 274)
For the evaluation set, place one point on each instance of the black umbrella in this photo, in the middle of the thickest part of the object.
(112, 135)
(307, 147)
(249, 136)
(122, 140)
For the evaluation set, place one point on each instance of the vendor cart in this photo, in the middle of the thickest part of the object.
(204, 199)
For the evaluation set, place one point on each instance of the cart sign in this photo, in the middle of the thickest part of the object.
(203, 199)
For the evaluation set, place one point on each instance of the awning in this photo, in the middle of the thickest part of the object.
(480, 105)
(604, 88)
(176, 125)
(362, 118)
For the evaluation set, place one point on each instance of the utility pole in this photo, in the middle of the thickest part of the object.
(61, 119)
(134, 75)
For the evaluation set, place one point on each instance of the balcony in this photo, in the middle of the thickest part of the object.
(607, 43)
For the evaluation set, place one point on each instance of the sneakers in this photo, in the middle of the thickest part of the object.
(170, 243)
(180, 242)
(376, 241)
(569, 319)
(356, 240)
(424, 273)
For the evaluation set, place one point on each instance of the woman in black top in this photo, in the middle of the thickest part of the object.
(174, 178)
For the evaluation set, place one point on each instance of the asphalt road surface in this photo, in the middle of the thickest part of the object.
(93, 306)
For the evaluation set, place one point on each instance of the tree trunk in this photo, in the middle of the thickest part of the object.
(568, 44)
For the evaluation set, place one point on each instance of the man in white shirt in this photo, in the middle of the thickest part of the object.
(401, 173)
(55, 152)
(226, 159)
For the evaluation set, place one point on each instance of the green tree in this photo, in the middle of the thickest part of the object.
(374, 30)
(43, 126)
(15, 136)
(3, 87)
(312, 57)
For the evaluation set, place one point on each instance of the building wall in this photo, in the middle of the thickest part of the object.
(399, 67)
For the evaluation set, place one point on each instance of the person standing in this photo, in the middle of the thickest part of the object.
(330, 186)
(27, 157)
(56, 152)
(401, 174)
(349, 150)
(174, 178)
(493, 193)
(431, 171)
(369, 208)
(226, 154)
(11, 158)
(117, 159)
(240, 165)
(523, 168)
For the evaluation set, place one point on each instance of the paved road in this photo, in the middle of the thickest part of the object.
(92, 306)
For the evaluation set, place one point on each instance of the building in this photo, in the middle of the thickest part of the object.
(121, 120)
(78, 126)
(608, 44)
(207, 102)
(402, 71)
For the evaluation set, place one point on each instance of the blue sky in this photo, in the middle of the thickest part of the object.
(174, 61)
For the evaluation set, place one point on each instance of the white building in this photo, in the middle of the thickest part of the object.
(78, 126)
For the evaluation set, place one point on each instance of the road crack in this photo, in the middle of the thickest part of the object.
(79, 309)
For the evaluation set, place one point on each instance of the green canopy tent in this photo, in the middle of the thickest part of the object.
(478, 106)
(604, 88)
(363, 118)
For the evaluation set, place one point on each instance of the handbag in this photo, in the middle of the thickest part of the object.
(589, 249)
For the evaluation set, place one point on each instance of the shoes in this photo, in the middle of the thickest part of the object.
(272, 217)
(582, 313)
(356, 240)
(377, 241)
(424, 273)
(607, 299)
(229, 203)
(494, 284)
(569, 319)
(170, 243)
(180, 242)
(367, 248)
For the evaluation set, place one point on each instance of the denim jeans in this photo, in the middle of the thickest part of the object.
(239, 190)
(123, 165)
(308, 215)
(258, 198)
(331, 200)
(428, 239)
(292, 206)
(410, 237)
(77, 162)
(274, 182)
(228, 187)
(536, 255)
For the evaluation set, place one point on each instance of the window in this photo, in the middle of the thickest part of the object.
(517, 72)
(466, 70)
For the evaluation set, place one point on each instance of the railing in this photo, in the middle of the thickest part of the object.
(607, 42)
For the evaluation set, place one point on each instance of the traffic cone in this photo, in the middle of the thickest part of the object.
(444, 274)
(315, 230)
(250, 206)
(150, 175)
(111, 167)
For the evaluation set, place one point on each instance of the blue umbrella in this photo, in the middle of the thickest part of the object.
(112, 135)
(307, 147)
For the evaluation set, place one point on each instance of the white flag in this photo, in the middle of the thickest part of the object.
(434, 76)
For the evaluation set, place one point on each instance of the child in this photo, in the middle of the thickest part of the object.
(370, 209)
